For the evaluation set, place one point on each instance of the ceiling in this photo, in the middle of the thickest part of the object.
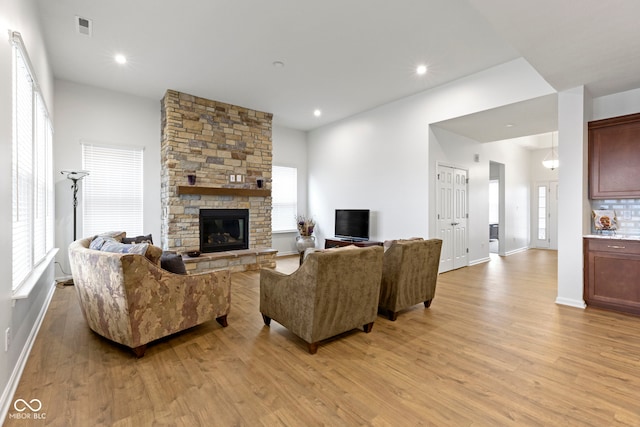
(343, 57)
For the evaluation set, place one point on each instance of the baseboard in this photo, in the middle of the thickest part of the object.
(479, 261)
(281, 254)
(515, 251)
(12, 385)
(571, 302)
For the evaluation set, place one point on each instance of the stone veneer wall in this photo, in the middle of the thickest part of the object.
(214, 140)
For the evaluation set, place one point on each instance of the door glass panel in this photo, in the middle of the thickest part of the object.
(542, 212)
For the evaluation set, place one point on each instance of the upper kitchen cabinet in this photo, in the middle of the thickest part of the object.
(614, 158)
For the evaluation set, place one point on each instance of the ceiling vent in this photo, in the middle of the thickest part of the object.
(84, 26)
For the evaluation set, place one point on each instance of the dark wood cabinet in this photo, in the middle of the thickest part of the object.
(612, 274)
(336, 243)
(614, 158)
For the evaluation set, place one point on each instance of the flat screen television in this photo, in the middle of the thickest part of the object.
(352, 224)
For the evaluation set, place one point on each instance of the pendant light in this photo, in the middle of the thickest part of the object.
(551, 159)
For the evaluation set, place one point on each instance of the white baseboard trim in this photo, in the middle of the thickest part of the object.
(12, 385)
(479, 261)
(515, 251)
(577, 303)
(286, 253)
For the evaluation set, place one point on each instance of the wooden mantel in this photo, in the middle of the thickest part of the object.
(213, 191)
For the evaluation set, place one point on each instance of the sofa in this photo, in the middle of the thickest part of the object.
(333, 291)
(409, 274)
(129, 299)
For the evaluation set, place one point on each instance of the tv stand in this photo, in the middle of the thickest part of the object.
(336, 243)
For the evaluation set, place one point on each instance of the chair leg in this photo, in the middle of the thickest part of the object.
(368, 327)
(222, 320)
(313, 347)
(393, 315)
(427, 303)
(140, 350)
(266, 319)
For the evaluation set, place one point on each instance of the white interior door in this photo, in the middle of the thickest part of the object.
(452, 217)
(460, 219)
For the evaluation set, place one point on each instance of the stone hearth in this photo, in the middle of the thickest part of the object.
(242, 260)
(214, 141)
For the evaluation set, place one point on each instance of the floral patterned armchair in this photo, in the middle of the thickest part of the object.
(129, 299)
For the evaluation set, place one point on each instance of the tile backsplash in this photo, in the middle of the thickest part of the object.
(627, 211)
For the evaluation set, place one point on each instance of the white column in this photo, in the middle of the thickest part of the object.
(573, 206)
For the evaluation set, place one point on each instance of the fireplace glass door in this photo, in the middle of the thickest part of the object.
(224, 229)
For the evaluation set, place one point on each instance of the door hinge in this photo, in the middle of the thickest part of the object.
(438, 177)
(467, 180)
(438, 216)
(467, 216)
(467, 250)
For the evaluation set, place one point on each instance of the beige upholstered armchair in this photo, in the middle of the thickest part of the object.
(332, 292)
(129, 299)
(409, 274)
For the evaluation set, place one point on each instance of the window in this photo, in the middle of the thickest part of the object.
(32, 179)
(285, 199)
(112, 196)
(542, 212)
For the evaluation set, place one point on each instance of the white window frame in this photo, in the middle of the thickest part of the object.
(113, 192)
(32, 176)
(284, 193)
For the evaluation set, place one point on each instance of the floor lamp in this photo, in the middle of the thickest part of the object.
(74, 176)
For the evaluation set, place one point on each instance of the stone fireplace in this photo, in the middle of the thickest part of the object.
(224, 229)
(228, 148)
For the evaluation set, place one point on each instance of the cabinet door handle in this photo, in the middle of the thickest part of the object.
(615, 247)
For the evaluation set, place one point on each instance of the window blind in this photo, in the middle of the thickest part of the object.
(32, 163)
(112, 195)
(284, 193)
(22, 170)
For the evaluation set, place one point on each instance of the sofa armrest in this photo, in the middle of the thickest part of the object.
(161, 303)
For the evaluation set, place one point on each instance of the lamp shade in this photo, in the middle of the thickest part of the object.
(551, 160)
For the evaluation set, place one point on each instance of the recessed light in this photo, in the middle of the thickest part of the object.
(120, 59)
(421, 70)
(278, 64)
(317, 112)
(509, 125)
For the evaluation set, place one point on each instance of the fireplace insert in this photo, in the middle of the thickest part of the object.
(224, 229)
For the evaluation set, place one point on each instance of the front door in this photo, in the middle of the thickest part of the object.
(452, 217)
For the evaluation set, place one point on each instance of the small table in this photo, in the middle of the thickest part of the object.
(336, 243)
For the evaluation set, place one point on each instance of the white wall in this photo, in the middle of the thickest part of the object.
(384, 159)
(290, 149)
(618, 104)
(85, 113)
(22, 316)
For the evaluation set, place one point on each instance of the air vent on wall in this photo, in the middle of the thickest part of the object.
(84, 26)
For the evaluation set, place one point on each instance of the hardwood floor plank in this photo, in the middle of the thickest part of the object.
(493, 349)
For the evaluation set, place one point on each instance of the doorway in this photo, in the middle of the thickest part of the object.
(496, 208)
(452, 216)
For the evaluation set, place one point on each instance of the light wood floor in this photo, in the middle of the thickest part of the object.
(493, 350)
